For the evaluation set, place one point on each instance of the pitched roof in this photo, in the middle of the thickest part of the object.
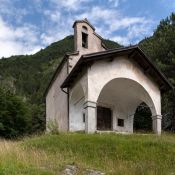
(132, 52)
(58, 70)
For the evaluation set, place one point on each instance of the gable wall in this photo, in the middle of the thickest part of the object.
(102, 72)
(57, 101)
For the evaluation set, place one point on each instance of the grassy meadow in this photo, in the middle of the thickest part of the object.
(110, 153)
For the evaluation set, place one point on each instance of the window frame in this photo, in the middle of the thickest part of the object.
(84, 117)
(120, 122)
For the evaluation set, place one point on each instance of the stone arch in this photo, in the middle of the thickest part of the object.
(76, 110)
(122, 96)
(116, 79)
(126, 85)
(142, 121)
(84, 29)
(125, 68)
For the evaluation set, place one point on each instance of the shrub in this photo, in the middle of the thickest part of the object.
(15, 115)
(53, 127)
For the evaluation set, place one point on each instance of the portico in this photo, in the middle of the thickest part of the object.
(111, 91)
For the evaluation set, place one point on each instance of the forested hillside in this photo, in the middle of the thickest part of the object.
(23, 79)
(161, 49)
(27, 77)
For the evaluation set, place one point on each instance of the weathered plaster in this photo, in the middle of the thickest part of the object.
(102, 72)
(122, 86)
(57, 102)
(76, 102)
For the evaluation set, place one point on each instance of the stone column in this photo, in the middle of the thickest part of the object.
(90, 117)
(130, 120)
(157, 124)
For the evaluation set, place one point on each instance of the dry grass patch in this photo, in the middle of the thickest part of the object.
(110, 153)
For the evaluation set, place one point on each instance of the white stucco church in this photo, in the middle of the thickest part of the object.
(96, 89)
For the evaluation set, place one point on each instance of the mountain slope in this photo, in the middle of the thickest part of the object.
(29, 75)
(161, 49)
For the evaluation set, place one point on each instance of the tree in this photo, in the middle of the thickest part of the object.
(161, 49)
(15, 117)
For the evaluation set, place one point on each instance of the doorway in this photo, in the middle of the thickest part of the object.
(142, 119)
(104, 118)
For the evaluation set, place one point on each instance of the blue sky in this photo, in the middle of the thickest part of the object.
(26, 26)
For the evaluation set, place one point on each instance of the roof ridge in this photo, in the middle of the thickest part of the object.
(120, 51)
(86, 21)
(111, 50)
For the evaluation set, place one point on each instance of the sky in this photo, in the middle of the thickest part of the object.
(26, 26)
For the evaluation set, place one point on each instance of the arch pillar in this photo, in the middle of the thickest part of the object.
(157, 124)
(131, 121)
(90, 116)
(76, 113)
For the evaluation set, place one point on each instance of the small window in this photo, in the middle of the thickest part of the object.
(83, 117)
(120, 122)
(84, 40)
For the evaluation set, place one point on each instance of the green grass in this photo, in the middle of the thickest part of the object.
(110, 153)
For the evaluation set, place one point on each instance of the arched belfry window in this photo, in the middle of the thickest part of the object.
(84, 37)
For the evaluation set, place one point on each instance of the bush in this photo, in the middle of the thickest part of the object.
(53, 127)
(15, 118)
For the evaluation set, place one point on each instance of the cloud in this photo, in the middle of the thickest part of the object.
(19, 40)
(135, 28)
(125, 22)
(9, 10)
(70, 4)
(134, 33)
(48, 37)
(113, 22)
(54, 16)
(124, 40)
(26, 28)
(99, 13)
(116, 3)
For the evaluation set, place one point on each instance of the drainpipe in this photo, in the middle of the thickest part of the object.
(67, 92)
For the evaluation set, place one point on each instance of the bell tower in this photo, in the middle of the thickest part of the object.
(85, 38)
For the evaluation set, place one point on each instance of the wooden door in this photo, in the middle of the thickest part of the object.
(104, 118)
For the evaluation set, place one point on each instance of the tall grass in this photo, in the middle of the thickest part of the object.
(110, 153)
(14, 160)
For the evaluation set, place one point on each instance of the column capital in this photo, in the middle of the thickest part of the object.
(90, 104)
(157, 117)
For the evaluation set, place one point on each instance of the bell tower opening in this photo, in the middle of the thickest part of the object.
(84, 37)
